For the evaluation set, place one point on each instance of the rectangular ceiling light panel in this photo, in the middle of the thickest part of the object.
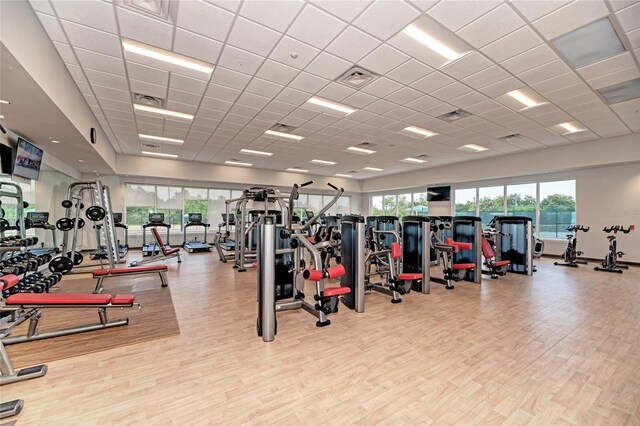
(159, 154)
(294, 169)
(473, 148)
(167, 56)
(568, 128)
(361, 151)
(621, 92)
(419, 131)
(253, 152)
(283, 135)
(413, 160)
(162, 111)
(161, 139)
(372, 169)
(522, 99)
(237, 163)
(326, 103)
(590, 44)
(343, 175)
(323, 162)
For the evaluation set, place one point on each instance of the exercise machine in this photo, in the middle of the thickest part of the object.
(195, 220)
(222, 241)
(610, 263)
(494, 268)
(40, 220)
(165, 252)
(515, 243)
(446, 248)
(416, 252)
(571, 253)
(155, 220)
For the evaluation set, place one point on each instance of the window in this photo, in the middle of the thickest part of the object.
(169, 201)
(376, 206)
(343, 206)
(390, 205)
(465, 202)
(217, 206)
(314, 204)
(420, 206)
(491, 203)
(521, 200)
(140, 201)
(404, 205)
(557, 208)
(195, 201)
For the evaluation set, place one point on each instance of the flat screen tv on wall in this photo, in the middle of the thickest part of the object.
(439, 193)
(28, 160)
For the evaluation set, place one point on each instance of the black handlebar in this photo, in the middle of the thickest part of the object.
(332, 186)
(618, 228)
(578, 228)
(306, 184)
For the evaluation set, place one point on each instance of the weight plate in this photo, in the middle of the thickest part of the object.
(1, 212)
(76, 257)
(80, 223)
(95, 213)
(64, 224)
(61, 265)
(4, 225)
(28, 223)
(66, 204)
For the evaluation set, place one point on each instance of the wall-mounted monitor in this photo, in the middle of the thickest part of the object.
(28, 160)
(6, 159)
(439, 193)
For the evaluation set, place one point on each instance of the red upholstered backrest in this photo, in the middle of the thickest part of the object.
(487, 251)
(159, 241)
(8, 281)
(396, 250)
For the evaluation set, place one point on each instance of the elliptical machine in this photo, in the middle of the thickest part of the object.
(571, 253)
(610, 263)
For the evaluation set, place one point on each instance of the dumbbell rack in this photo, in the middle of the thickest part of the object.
(28, 266)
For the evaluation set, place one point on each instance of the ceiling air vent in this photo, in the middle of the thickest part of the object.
(366, 144)
(510, 138)
(150, 147)
(422, 156)
(455, 115)
(159, 9)
(148, 100)
(352, 171)
(283, 128)
(357, 77)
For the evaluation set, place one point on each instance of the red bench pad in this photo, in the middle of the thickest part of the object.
(500, 263)
(123, 299)
(463, 266)
(396, 250)
(8, 281)
(410, 277)
(134, 270)
(168, 252)
(336, 291)
(58, 299)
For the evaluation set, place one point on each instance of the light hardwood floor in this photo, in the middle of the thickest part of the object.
(561, 347)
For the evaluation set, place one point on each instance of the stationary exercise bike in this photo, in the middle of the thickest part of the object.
(610, 263)
(571, 253)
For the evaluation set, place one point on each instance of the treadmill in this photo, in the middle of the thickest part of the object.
(40, 220)
(195, 220)
(155, 220)
(226, 243)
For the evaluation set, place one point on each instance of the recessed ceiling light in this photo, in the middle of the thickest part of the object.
(571, 127)
(473, 148)
(343, 175)
(373, 169)
(95, 171)
(55, 141)
(238, 163)
(2, 101)
(589, 44)
(161, 139)
(159, 154)
(161, 111)
(419, 35)
(413, 160)
(330, 163)
(360, 150)
(80, 161)
(621, 92)
(424, 132)
(166, 56)
(332, 105)
(294, 169)
(523, 98)
(283, 135)
(252, 152)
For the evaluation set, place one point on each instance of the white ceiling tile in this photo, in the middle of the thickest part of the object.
(315, 27)
(87, 12)
(360, 100)
(544, 72)
(146, 88)
(381, 87)
(557, 82)
(292, 96)
(343, 9)
(196, 46)
(88, 38)
(111, 93)
(76, 72)
(424, 5)
(279, 107)
(184, 97)
(530, 59)
(484, 106)
(230, 78)
(42, 6)
(634, 38)
(99, 61)
(216, 104)
(263, 87)
(468, 99)
(118, 105)
(142, 28)
(277, 72)
(629, 17)
(432, 82)
(409, 72)
(308, 82)
(502, 87)
(512, 44)
(615, 78)
(352, 45)
(404, 95)
(455, 15)
(240, 60)
(423, 103)
(187, 84)
(287, 47)
(534, 9)
(381, 106)
(106, 79)
(148, 74)
(276, 14)
(467, 65)
(570, 17)
(204, 19)
(502, 20)
(328, 66)
(383, 19)
(335, 92)
(383, 59)
(438, 110)
(52, 26)
(607, 66)
(451, 91)
(66, 53)
(255, 38)
(486, 77)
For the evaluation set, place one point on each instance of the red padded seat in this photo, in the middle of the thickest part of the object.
(463, 266)
(58, 299)
(459, 246)
(396, 250)
(134, 270)
(123, 299)
(498, 263)
(409, 277)
(336, 291)
(8, 281)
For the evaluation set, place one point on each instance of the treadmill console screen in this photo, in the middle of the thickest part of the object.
(156, 217)
(310, 214)
(38, 217)
(195, 217)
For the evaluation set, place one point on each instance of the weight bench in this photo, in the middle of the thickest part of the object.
(164, 254)
(28, 306)
(102, 274)
(495, 267)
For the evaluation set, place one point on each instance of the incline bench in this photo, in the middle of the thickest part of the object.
(101, 274)
(164, 253)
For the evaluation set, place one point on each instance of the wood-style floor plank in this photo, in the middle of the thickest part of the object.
(561, 347)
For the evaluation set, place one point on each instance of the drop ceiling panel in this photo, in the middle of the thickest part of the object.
(196, 46)
(294, 53)
(570, 17)
(276, 14)
(142, 28)
(449, 14)
(87, 14)
(502, 20)
(383, 59)
(315, 27)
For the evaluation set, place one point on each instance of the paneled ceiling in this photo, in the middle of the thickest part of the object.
(270, 57)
